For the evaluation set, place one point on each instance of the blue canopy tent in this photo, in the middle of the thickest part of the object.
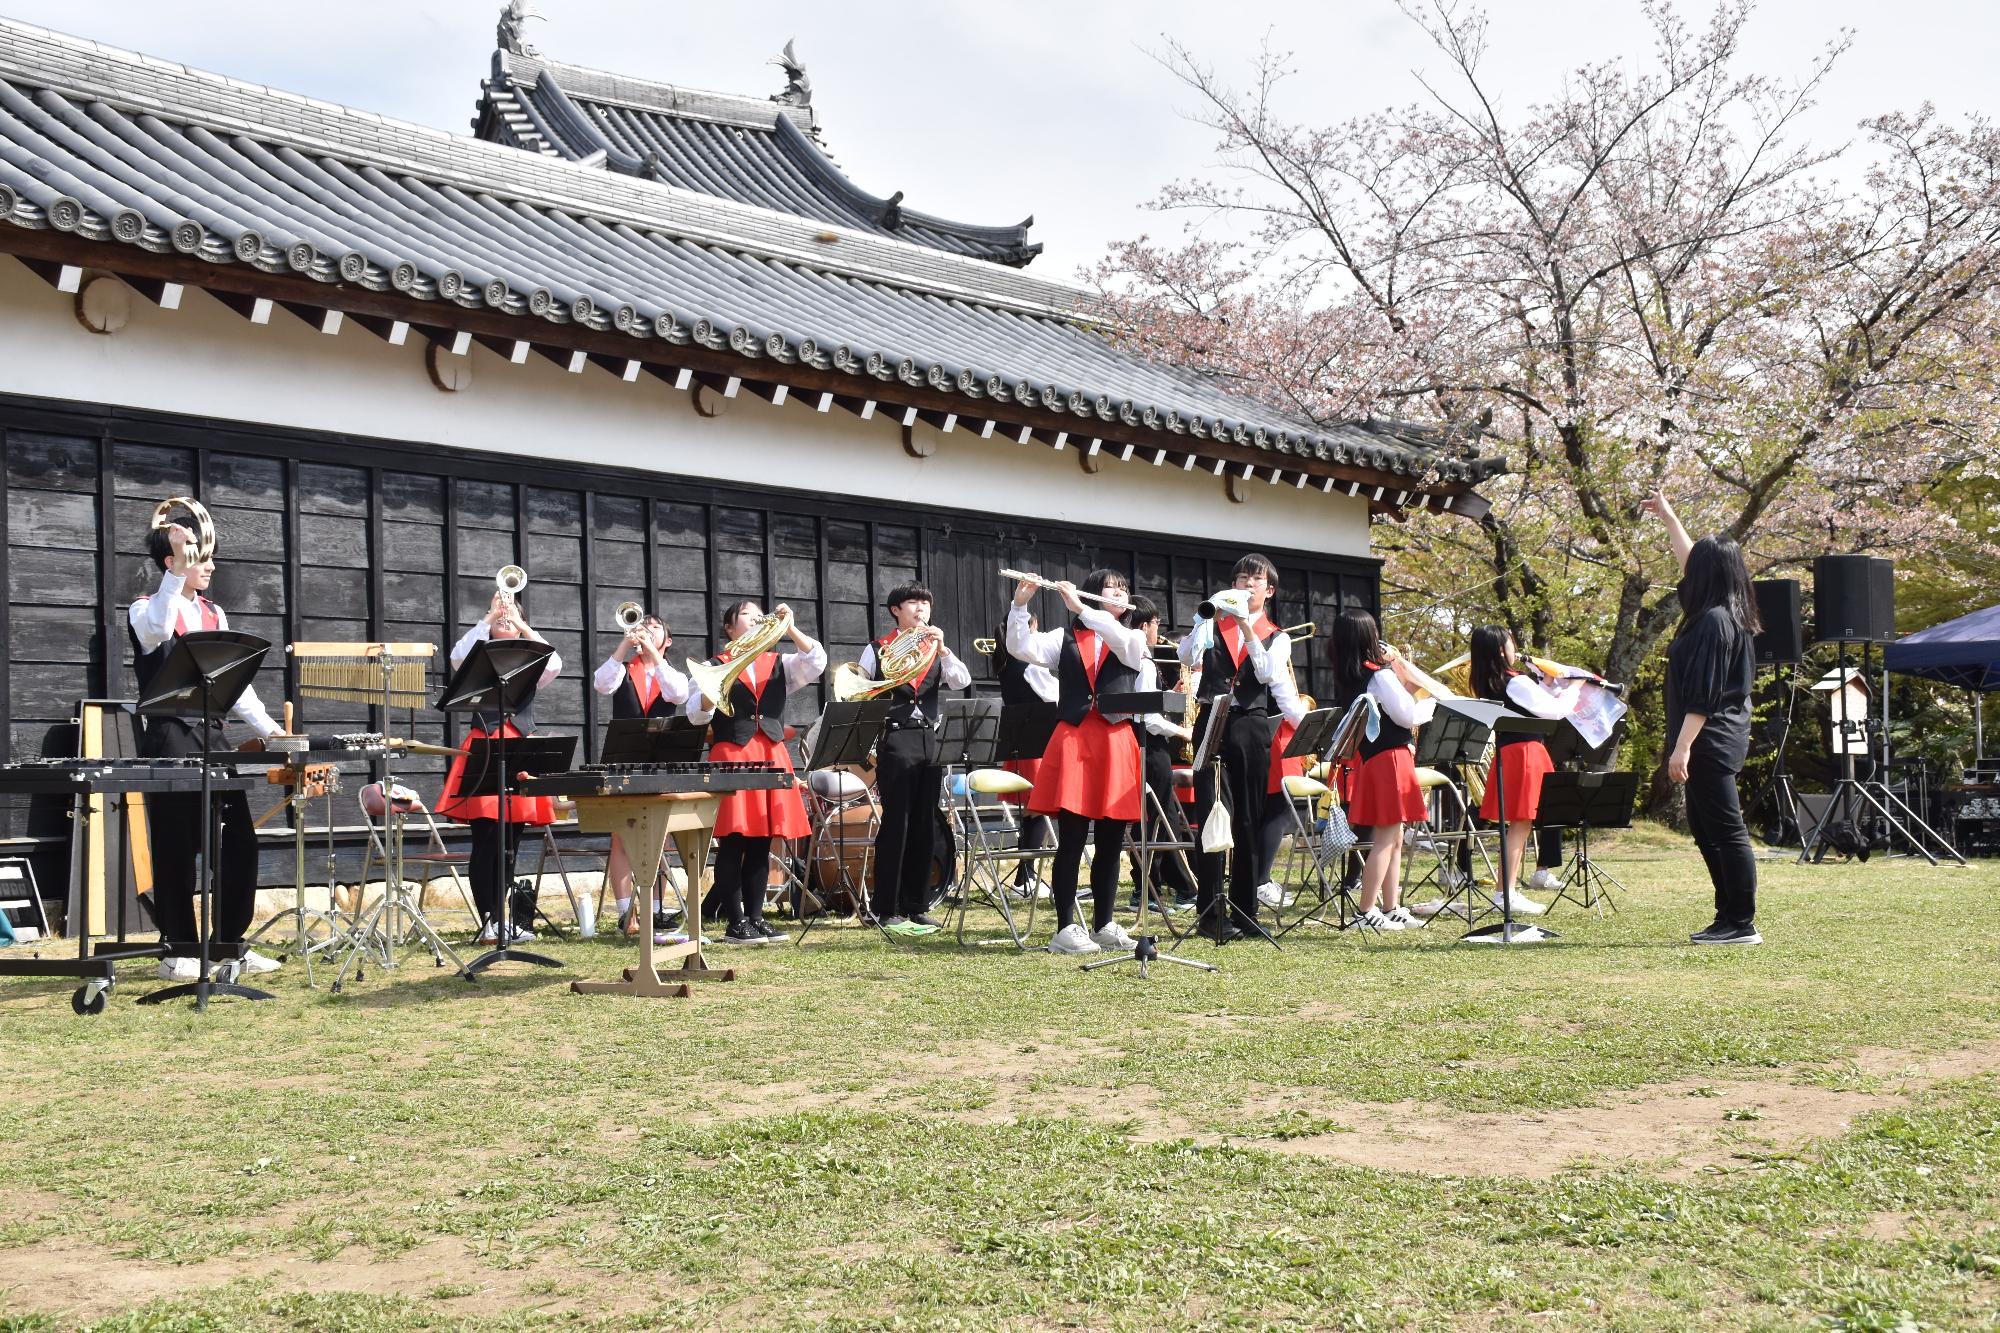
(1964, 653)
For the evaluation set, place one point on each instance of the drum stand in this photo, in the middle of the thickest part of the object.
(304, 943)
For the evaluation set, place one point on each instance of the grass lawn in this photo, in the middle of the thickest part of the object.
(1614, 1131)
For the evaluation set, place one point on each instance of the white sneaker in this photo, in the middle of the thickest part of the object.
(1372, 919)
(1400, 918)
(1072, 939)
(1114, 937)
(488, 933)
(1523, 906)
(1545, 881)
(179, 969)
(1269, 894)
(257, 962)
(519, 934)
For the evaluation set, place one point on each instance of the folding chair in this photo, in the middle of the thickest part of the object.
(1304, 794)
(1145, 849)
(989, 840)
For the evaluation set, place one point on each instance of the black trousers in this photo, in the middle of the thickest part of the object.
(742, 874)
(908, 779)
(1072, 831)
(1246, 771)
(1034, 835)
(1169, 868)
(489, 871)
(1715, 816)
(1548, 849)
(174, 823)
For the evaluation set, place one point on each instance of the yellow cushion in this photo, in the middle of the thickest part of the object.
(1430, 777)
(1299, 787)
(1319, 770)
(997, 781)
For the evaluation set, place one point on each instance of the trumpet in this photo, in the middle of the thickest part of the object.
(901, 660)
(713, 679)
(629, 615)
(510, 582)
(204, 526)
(1428, 686)
(1017, 576)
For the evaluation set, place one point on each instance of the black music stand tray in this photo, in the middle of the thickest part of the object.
(652, 740)
(1586, 801)
(1455, 740)
(1507, 930)
(847, 732)
(204, 675)
(496, 677)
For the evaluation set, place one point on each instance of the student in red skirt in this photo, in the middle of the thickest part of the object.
(1022, 683)
(1523, 761)
(640, 682)
(1091, 772)
(1382, 790)
(492, 866)
(755, 733)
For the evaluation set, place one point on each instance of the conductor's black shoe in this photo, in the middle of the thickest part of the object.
(742, 932)
(1714, 927)
(926, 919)
(1727, 935)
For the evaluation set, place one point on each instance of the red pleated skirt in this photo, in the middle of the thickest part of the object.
(465, 809)
(1384, 790)
(1091, 769)
(777, 813)
(1523, 765)
(1282, 768)
(1027, 768)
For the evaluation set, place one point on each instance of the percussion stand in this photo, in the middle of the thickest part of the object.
(496, 676)
(1581, 802)
(847, 732)
(1506, 723)
(205, 673)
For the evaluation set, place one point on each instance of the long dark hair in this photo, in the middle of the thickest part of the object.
(1094, 583)
(1489, 661)
(1355, 642)
(1715, 575)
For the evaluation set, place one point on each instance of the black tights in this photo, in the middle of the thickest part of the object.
(1072, 831)
(489, 871)
(742, 873)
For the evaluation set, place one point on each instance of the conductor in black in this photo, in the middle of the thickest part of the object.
(174, 820)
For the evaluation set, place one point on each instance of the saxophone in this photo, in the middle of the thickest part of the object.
(1189, 684)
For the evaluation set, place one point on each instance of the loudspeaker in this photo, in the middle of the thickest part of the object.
(1783, 638)
(1854, 599)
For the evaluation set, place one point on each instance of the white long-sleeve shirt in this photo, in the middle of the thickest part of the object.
(165, 614)
(1157, 723)
(481, 631)
(673, 685)
(1538, 700)
(801, 669)
(1042, 681)
(1396, 702)
(1271, 662)
(953, 674)
(1043, 648)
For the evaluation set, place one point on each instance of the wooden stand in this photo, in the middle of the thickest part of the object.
(642, 825)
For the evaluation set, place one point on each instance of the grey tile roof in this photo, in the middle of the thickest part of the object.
(752, 151)
(128, 150)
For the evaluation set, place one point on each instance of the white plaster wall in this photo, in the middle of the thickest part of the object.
(205, 360)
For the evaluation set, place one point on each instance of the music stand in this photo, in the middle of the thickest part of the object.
(1312, 739)
(1584, 801)
(497, 677)
(847, 732)
(204, 675)
(1455, 739)
(652, 740)
(1209, 751)
(1507, 930)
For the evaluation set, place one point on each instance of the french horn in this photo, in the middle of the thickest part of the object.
(901, 660)
(713, 679)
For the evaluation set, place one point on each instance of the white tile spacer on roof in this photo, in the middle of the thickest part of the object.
(1062, 438)
(1159, 457)
(399, 333)
(1220, 464)
(1300, 484)
(1187, 464)
(1027, 433)
(1354, 488)
(1125, 454)
(1327, 489)
(631, 372)
(986, 428)
(683, 379)
(909, 416)
(825, 401)
(519, 356)
(1378, 492)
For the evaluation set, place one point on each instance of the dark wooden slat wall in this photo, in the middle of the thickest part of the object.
(330, 537)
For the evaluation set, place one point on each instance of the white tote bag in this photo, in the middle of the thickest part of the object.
(1217, 834)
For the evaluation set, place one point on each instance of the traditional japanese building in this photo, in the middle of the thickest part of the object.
(647, 342)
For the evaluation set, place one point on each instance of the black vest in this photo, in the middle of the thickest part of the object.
(1220, 675)
(752, 713)
(166, 737)
(1077, 698)
(1391, 735)
(625, 700)
(1014, 686)
(904, 701)
(1515, 739)
(523, 717)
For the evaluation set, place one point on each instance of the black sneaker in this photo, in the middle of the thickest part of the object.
(1218, 927)
(771, 934)
(926, 919)
(742, 932)
(1727, 935)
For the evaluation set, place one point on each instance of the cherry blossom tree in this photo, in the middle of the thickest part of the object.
(1648, 280)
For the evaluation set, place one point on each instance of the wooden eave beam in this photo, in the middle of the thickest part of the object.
(241, 286)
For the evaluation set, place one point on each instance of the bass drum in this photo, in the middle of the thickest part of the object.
(836, 864)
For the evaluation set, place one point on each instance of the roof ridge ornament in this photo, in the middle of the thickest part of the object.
(798, 87)
(511, 33)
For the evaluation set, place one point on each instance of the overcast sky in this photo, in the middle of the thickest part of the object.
(989, 112)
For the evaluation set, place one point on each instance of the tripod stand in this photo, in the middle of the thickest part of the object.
(1578, 803)
(204, 675)
(1208, 755)
(1777, 786)
(1851, 796)
(1504, 724)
